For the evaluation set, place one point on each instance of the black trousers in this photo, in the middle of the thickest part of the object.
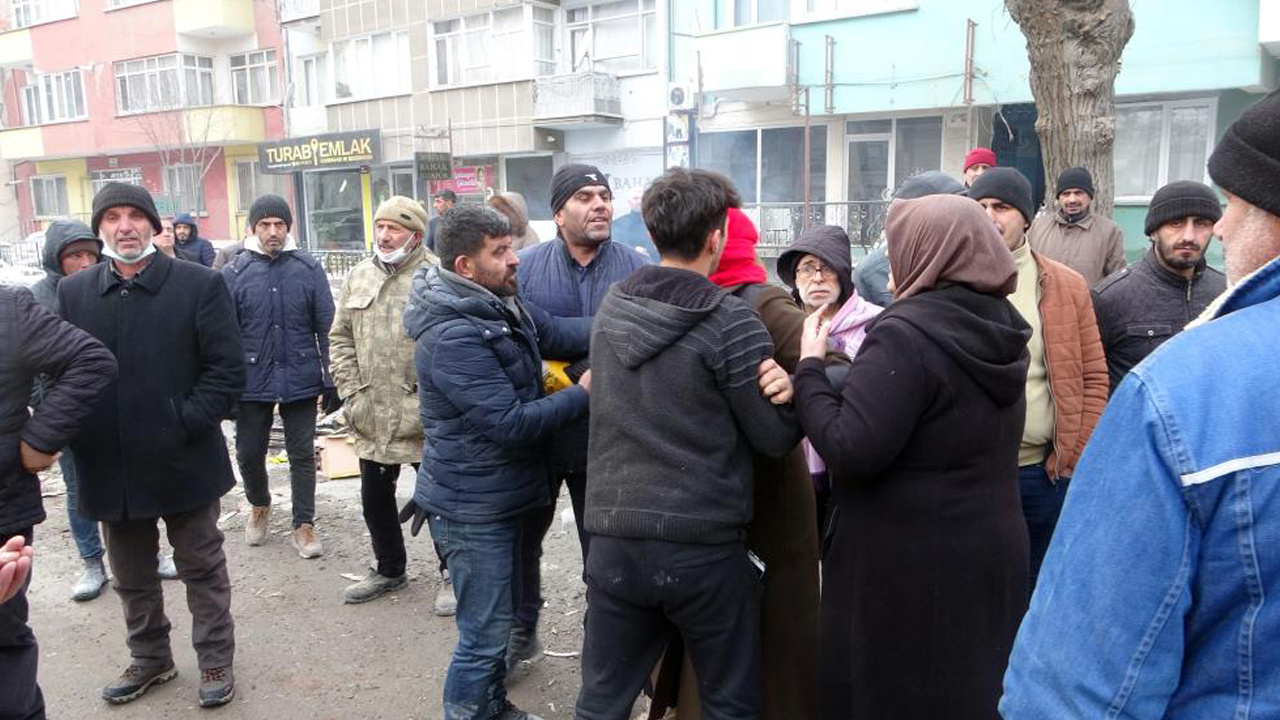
(20, 697)
(253, 435)
(536, 524)
(637, 589)
(382, 517)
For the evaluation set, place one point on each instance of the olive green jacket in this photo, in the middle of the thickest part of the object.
(371, 359)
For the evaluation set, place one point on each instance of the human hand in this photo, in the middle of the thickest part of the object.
(34, 461)
(775, 384)
(15, 565)
(813, 342)
(585, 381)
(417, 513)
(330, 402)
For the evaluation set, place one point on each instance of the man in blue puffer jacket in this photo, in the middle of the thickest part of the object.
(284, 307)
(188, 243)
(484, 469)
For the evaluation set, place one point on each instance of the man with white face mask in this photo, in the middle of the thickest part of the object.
(371, 359)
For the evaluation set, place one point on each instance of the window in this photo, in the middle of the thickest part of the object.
(54, 97)
(750, 12)
(1158, 143)
(616, 37)
(25, 13)
(882, 154)
(335, 218)
(184, 187)
(253, 78)
(528, 176)
(163, 83)
(846, 8)
(508, 44)
(251, 185)
(311, 81)
(49, 196)
(132, 176)
(371, 66)
(767, 165)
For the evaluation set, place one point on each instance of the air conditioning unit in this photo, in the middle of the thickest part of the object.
(681, 98)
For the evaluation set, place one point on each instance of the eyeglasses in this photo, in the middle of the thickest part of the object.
(808, 272)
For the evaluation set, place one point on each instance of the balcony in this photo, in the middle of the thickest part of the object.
(293, 10)
(576, 101)
(15, 48)
(202, 18)
(759, 75)
(21, 143)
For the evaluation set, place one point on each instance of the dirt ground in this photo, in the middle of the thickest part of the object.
(300, 652)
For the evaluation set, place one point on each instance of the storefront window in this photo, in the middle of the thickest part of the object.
(335, 213)
(531, 177)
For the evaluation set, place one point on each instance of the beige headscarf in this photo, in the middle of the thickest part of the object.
(942, 240)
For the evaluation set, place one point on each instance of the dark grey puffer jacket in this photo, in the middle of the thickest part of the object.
(676, 410)
(57, 237)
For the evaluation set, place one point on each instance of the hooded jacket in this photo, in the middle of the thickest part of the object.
(57, 237)
(676, 411)
(828, 243)
(487, 420)
(512, 205)
(194, 248)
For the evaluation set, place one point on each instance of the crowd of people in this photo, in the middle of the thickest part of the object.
(989, 471)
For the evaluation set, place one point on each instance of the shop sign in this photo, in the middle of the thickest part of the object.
(467, 180)
(432, 166)
(321, 152)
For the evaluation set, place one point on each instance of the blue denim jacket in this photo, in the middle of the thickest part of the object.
(1160, 593)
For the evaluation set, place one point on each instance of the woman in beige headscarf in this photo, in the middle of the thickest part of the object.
(925, 569)
(512, 205)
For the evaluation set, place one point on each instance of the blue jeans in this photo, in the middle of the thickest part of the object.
(1041, 504)
(484, 563)
(84, 530)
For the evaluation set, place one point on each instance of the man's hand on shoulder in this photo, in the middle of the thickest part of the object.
(775, 384)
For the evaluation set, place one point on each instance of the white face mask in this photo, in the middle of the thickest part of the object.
(108, 252)
(395, 256)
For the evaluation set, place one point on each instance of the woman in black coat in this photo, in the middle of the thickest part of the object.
(925, 571)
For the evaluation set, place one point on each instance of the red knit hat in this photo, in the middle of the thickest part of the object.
(738, 263)
(979, 155)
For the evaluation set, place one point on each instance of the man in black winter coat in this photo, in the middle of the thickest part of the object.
(34, 341)
(153, 446)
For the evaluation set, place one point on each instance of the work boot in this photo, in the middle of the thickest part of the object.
(255, 530)
(165, 567)
(134, 682)
(91, 582)
(511, 712)
(306, 542)
(446, 601)
(372, 587)
(522, 644)
(217, 686)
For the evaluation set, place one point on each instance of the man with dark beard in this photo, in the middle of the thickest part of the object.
(1150, 301)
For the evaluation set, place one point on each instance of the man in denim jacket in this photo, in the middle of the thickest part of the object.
(1153, 598)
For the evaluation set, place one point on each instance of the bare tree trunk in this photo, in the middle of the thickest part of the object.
(1074, 47)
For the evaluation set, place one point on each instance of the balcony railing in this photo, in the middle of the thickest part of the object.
(780, 224)
(577, 97)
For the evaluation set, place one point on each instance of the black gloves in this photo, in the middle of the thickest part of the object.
(419, 515)
(575, 371)
(330, 402)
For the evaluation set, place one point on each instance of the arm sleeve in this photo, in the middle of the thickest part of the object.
(344, 365)
(862, 428)
(322, 309)
(207, 254)
(1106, 334)
(221, 357)
(467, 372)
(771, 429)
(560, 338)
(78, 366)
(1115, 254)
(785, 323)
(1104, 637)
(1097, 383)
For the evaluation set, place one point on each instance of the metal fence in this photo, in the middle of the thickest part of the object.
(21, 253)
(781, 223)
(337, 263)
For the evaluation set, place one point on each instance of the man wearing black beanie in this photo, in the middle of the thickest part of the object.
(1074, 235)
(1152, 300)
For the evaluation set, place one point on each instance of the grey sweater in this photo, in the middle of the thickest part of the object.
(676, 410)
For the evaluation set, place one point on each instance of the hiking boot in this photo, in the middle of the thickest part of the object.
(446, 601)
(522, 644)
(306, 542)
(255, 530)
(217, 686)
(91, 582)
(511, 712)
(165, 567)
(372, 587)
(134, 682)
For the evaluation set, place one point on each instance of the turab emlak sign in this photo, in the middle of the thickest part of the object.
(321, 152)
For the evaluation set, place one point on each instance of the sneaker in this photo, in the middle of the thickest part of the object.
(217, 686)
(134, 682)
(372, 587)
(91, 582)
(522, 644)
(306, 542)
(446, 601)
(511, 712)
(255, 531)
(165, 567)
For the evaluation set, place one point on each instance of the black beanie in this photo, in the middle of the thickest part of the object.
(270, 206)
(1076, 177)
(1247, 160)
(115, 194)
(1007, 185)
(1181, 199)
(570, 178)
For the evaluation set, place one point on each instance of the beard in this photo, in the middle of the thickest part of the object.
(1169, 255)
(501, 283)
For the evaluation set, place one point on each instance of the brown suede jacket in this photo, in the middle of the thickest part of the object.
(1077, 365)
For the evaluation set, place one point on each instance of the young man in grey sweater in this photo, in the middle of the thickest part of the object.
(686, 389)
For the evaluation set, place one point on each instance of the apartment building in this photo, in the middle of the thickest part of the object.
(174, 95)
